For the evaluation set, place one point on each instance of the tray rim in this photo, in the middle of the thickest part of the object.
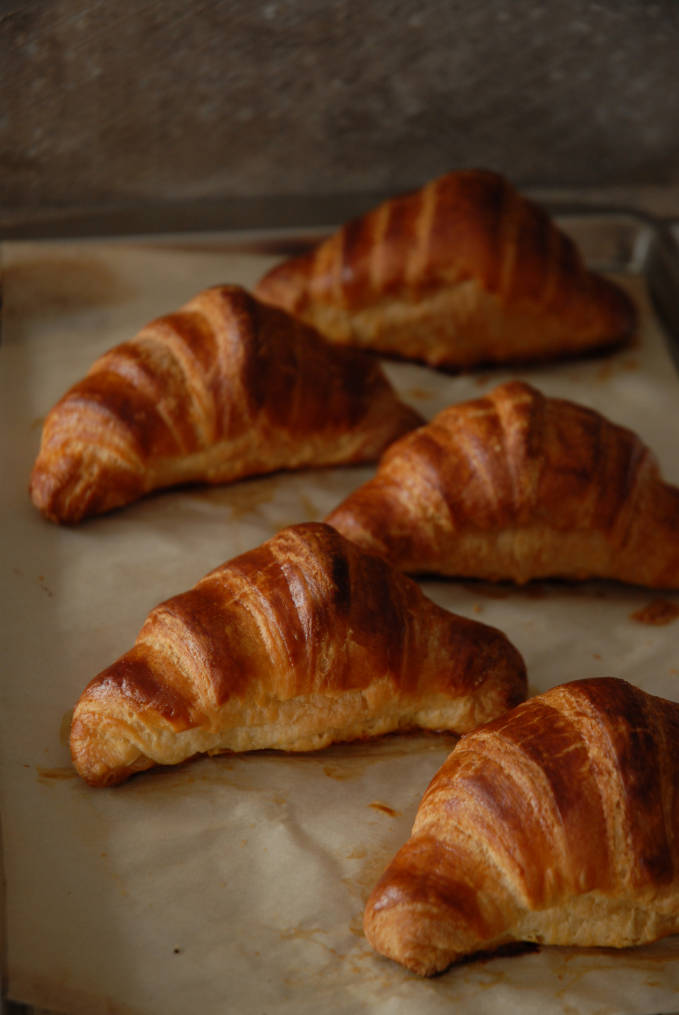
(652, 251)
(644, 244)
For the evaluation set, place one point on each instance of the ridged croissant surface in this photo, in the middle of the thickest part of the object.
(463, 272)
(224, 388)
(299, 643)
(556, 823)
(516, 486)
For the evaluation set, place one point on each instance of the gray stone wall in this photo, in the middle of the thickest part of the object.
(109, 104)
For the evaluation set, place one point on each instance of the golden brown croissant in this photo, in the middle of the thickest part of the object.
(516, 486)
(556, 823)
(296, 644)
(464, 271)
(224, 388)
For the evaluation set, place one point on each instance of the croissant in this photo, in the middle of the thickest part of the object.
(463, 272)
(301, 642)
(516, 486)
(556, 823)
(222, 389)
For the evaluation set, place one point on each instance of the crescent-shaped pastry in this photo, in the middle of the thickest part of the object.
(557, 823)
(224, 388)
(516, 486)
(299, 643)
(464, 271)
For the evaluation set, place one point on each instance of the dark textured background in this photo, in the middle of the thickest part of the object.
(124, 104)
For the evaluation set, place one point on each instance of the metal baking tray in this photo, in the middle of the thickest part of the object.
(611, 238)
(620, 241)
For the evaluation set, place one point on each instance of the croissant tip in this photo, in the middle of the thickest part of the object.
(394, 937)
(283, 285)
(618, 306)
(45, 492)
(58, 491)
(101, 759)
(99, 774)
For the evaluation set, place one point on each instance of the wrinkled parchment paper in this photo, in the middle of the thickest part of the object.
(237, 884)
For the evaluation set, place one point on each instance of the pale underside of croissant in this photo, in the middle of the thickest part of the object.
(557, 823)
(294, 645)
(516, 486)
(224, 388)
(464, 271)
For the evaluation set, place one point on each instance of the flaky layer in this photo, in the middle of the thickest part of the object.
(223, 388)
(303, 641)
(461, 272)
(516, 486)
(556, 823)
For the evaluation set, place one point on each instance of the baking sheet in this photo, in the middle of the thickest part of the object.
(237, 884)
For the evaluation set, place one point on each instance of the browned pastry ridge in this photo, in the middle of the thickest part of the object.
(464, 271)
(556, 823)
(516, 486)
(224, 388)
(296, 644)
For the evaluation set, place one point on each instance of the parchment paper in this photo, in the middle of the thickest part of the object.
(237, 884)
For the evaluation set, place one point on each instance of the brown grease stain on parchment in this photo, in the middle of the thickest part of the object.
(59, 773)
(596, 589)
(244, 498)
(385, 809)
(48, 285)
(47, 775)
(418, 393)
(616, 366)
(656, 613)
(65, 728)
(241, 497)
(42, 582)
(338, 772)
(577, 963)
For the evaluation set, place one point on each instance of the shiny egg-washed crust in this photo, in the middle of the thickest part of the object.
(557, 823)
(463, 272)
(516, 486)
(224, 388)
(299, 643)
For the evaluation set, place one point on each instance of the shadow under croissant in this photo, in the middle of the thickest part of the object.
(396, 743)
(515, 949)
(509, 950)
(485, 371)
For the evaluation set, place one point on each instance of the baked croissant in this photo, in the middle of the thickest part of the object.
(556, 823)
(516, 486)
(222, 389)
(465, 271)
(301, 642)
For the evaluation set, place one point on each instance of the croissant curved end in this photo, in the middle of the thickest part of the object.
(284, 284)
(51, 489)
(66, 488)
(427, 945)
(415, 918)
(403, 947)
(100, 756)
(621, 311)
